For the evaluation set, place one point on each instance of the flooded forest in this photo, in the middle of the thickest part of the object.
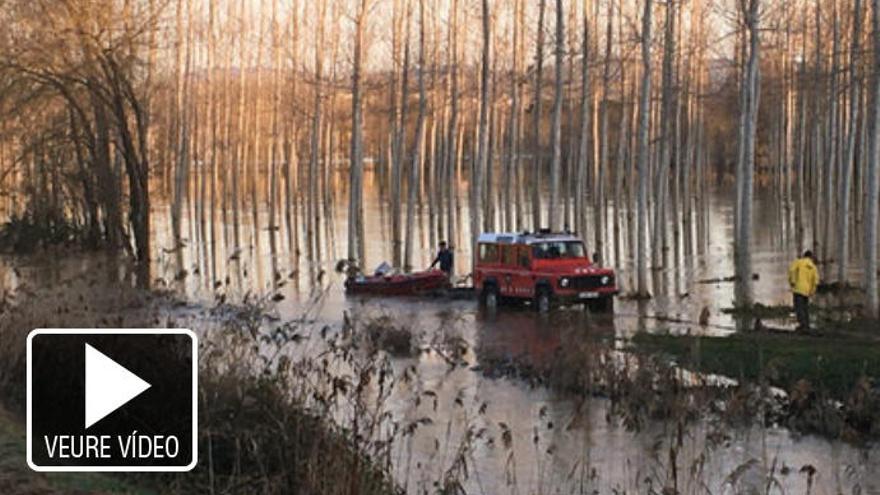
(223, 165)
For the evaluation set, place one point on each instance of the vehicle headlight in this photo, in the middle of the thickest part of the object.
(563, 282)
(605, 280)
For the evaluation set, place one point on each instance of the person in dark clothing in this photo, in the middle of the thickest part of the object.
(445, 259)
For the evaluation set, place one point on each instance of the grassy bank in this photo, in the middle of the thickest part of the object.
(832, 317)
(837, 366)
(830, 383)
(16, 477)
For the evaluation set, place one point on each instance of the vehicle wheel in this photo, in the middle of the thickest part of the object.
(601, 305)
(490, 296)
(484, 293)
(543, 301)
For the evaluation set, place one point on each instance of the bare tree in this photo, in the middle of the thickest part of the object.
(398, 138)
(600, 208)
(313, 211)
(661, 175)
(746, 167)
(643, 153)
(356, 169)
(480, 164)
(511, 168)
(181, 173)
(556, 126)
(536, 109)
(843, 209)
(873, 180)
(452, 126)
(412, 186)
(584, 141)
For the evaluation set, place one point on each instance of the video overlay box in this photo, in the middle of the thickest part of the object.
(112, 400)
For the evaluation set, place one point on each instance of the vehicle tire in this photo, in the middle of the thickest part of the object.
(543, 300)
(601, 305)
(490, 297)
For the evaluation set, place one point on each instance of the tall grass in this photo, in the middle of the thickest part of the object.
(266, 416)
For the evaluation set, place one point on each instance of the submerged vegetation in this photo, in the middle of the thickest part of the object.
(24, 235)
(383, 333)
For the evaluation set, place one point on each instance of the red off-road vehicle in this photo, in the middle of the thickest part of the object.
(544, 268)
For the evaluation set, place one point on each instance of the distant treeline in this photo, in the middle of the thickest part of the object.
(610, 117)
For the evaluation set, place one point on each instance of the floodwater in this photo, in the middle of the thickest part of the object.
(532, 439)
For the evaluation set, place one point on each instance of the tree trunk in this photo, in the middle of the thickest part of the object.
(182, 141)
(483, 135)
(291, 162)
(831, 162)
(536, 108)
(511, 161)
(553, 206)
(873, 178)
(399, 148)
(746, 169)
(843, 218)
(584, 151)
(357, 152)
(600, 208)
(453, 147)
(644, 157)
(661, 177)
(413, 185)
(312, 205)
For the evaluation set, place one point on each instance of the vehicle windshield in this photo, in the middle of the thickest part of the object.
(558, 250)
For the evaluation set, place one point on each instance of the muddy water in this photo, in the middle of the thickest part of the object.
(261, 262)
(528, 438)
(560, 444)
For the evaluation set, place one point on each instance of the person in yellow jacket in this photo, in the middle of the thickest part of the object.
(803, 277)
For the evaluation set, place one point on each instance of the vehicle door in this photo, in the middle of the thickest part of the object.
(507, 270)
(489, 261)
(522, 283)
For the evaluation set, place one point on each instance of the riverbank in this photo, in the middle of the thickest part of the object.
(259, 427)
(828, 387)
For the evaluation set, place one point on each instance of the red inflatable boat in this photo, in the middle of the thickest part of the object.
(408, 284)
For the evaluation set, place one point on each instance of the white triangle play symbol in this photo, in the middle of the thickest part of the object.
(108, 385)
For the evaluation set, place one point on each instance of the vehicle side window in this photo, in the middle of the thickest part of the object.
(508, 254)
(541, 251)
(488, 253)
(559, 250)
(523, 256)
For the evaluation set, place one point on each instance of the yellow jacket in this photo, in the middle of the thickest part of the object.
(803, 277)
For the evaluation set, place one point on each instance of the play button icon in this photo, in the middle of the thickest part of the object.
(108, 385)
(112, 400)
